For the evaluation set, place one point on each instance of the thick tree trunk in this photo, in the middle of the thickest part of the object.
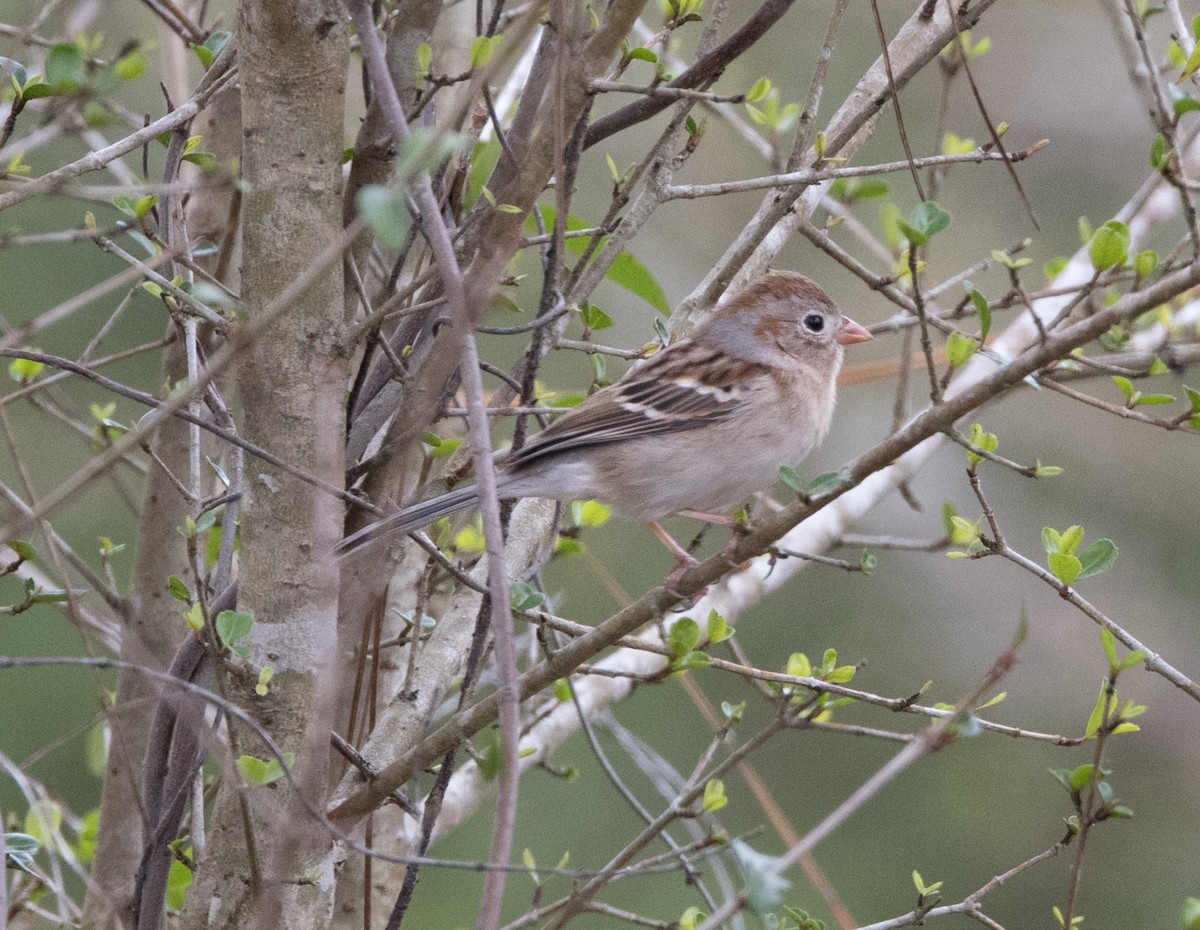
(292, 61)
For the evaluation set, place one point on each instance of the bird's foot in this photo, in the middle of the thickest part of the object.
(683, 563)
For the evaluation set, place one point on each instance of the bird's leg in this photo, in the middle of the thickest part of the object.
(714, 518)
(738, 528)
(683, 561)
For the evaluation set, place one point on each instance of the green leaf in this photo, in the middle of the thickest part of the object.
(24, 551)
(714, 795)
(136, 207)
(690, 660)
(590, 513)
(1064, 567)
(1158, 152)
(65, 67)
(953, 145)
(205, 160)
(1190, 918)
(179, 880)
(19, 850)
(959, 348)
(993, 701)
(1145, 263)
(526, 597)
(852, 190)
(925, 222)
(1012, 264)
(1192, 63)
(981, 439)
(483, 48)
(642, 54)
(212, 48)
(1109, 642)
(232, 626)
(21, 842)
(718, 630)
(205, 522)
(1070, 539)
(131, 66)
(963, 532)
(593, 318)
(424, 61)
(1080, 776)
(22, 370)
(179, 590)
(54, 596)
(636, 278)
(1103, 708)
(85, 844)
(16, 71)
(386, 213)
(683, 637)
(758, 90)
(194, 618)
(1143, 400)
(1125, 385)
(262, 771)
(922, 889)
(948, 514)
(1193, 398)
(824, 482)
(984, 310)
(1046, 471)
(798, 665)
(1109, 247)
(565, 545)
(790, 477)
(612, 168)
(1053, 268)
(483, 162)
(889, 223)
(1096, 558)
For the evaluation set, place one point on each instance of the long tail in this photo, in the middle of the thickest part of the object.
(410, 518)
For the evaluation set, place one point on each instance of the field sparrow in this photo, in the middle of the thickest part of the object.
(695, 429)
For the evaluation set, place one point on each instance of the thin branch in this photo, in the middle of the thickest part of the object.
(706, 70)
(666, 91)
(816, 175)
(215, 79)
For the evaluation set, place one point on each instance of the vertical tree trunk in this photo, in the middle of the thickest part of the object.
(292, 60)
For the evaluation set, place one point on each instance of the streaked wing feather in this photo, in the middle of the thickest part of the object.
(667, 394)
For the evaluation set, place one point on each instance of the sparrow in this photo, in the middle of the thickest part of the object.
(694, 430)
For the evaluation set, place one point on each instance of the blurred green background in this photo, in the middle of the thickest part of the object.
(961, 816)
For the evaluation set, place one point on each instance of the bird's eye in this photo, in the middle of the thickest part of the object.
(814, 322)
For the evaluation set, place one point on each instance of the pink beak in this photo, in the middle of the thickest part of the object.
(851, 333)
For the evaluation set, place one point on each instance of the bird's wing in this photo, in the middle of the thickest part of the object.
(681, 388)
